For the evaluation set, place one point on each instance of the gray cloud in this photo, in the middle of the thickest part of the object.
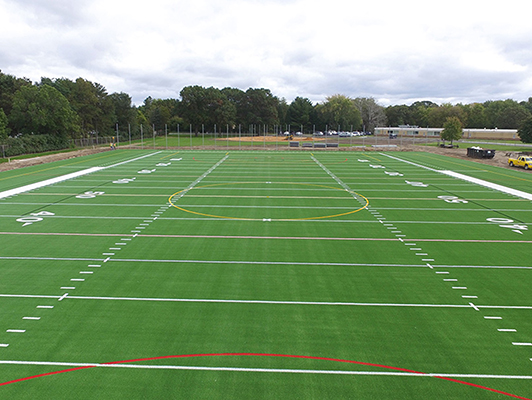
(394, 52)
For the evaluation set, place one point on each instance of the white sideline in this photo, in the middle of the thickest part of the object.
(490, 185)
(467, 178)
(269, 370)
(62, 178)
(48, 182)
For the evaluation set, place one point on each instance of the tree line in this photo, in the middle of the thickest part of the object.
(55, 110)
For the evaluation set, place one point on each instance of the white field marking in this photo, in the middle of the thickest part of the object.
(94, 265)
(442, 272)
(421, 254)
(15, 330)
(469, 297)
(62, 178)
(521, 344)
(126, 239)
(4, 345)
(135, 235)
(77, 280)
(492, 317)
(416, 248)
(467, 178)
(32, 318)
(410, 244)
(427, 259)
(86, 272)
(45, 307)
(396, 231)
(265, 370)
(135, 231)
(121, 244)
(400, 239)
(62, 297)
(450, 280)
(388, 224)
(115, 248)
(460, 287)
(144, 224)
(392, 228)
(108, 254)
(507, 330)
(474, 306)
(68, 287)
(266, 262)
(149, 220)
(430, 266)
(400, 235)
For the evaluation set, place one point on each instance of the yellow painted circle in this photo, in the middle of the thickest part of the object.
(185, 191)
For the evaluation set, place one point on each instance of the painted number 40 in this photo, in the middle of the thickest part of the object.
(508, 223)
(34, 217)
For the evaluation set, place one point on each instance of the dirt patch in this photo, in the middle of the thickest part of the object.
(27, 162)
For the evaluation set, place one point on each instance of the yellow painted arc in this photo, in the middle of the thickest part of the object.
(260, 219)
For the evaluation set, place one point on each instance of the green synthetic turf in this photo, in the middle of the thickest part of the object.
(268, 253)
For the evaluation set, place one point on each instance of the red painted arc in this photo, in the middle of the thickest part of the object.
(264, 355)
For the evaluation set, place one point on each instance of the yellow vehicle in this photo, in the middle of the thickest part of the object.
(521, 161)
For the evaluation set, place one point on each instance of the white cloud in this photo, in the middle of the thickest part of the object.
(394, 51)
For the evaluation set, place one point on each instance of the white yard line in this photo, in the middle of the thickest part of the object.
(272, 302)
(266, 370)
(239, 262)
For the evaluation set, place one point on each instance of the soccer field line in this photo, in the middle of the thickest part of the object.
(355, 239)
(269, 302)
(74, 217)
(287, 207)
(240, 262)
(263, 370)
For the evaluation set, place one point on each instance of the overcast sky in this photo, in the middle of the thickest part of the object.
(397, 51)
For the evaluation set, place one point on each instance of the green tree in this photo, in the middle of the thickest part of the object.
(124, 111)
(9, 85)
(452, 129)
(525, 132)
(339, 111)
(4, 130)
(206, 106)
(43, 110)
(398, 115)
(301, 112)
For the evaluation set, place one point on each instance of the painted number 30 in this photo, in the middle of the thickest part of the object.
(452, 199)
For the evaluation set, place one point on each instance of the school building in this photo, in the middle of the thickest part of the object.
(415, 131)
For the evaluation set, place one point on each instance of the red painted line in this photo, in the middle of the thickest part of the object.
(266, 355)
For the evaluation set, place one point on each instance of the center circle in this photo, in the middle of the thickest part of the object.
(182, 193)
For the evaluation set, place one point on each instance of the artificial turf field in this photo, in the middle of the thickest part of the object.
(279, 275)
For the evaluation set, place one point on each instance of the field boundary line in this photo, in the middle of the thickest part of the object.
(480, 182)
(268, 370)
(270, 302)
(51, 181)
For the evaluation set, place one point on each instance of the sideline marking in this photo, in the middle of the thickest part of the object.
(402, 371)
(490, 185)
(62, 178)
